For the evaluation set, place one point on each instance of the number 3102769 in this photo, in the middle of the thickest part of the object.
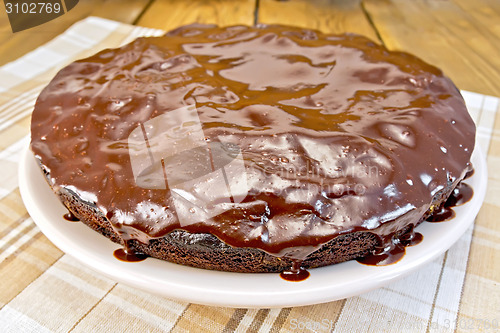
(32, 7)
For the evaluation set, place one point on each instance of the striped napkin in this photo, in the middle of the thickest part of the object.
(44, 290)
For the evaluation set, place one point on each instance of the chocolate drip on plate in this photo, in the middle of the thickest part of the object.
(124, 255)
(296, 273)
(393, 249)
(70, 217)
(460, 195)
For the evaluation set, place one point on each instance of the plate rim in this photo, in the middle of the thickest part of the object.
(288, 293)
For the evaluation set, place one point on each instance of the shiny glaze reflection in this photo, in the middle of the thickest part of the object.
(70, 217)
(128, 255)
(337, 133)
(296, 273)
(460, 195)
(392, 250)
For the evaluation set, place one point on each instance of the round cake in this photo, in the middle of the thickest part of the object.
(252, 149)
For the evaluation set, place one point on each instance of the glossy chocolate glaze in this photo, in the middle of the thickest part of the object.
(460, 195)
(337, 133)
(392, 249)
(124, 254)
(69, 216)
(296, 273)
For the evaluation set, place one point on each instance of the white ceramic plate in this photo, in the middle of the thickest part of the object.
(237, 289)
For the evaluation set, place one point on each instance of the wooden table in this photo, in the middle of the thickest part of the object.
(461, 37)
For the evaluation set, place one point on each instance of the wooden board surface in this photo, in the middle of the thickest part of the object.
(169, 14)
(333, 16)
(460, 37)
(14, 45)
(127, 11)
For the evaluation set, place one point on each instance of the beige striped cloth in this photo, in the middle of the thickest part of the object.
(44, 290)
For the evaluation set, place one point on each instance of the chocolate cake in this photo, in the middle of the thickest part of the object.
(252, 149)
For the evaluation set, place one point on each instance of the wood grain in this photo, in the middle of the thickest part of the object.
(333, 16)
(169, 14)
(462, 40)
(126, 11)
(14, 45)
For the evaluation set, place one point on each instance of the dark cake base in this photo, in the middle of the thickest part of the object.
(208, 252)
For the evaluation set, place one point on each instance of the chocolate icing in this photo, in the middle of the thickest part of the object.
(69, 216)
(337, 133)
(129, 256)
(460, 195)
